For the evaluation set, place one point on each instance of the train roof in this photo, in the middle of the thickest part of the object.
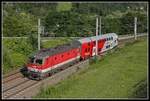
(55, 50)
(63, 48)
(93, 38)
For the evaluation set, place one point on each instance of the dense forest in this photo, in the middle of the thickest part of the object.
(72, 18)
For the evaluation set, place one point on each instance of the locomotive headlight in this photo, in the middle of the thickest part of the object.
(32, 69)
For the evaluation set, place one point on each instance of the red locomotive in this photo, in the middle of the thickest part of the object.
(47, 61)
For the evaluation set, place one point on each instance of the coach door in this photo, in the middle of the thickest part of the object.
(94, 51)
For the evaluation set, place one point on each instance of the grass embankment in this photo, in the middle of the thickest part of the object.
(121, 74)
(17, 51)
(55, 42)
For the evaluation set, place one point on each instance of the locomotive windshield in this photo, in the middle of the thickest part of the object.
(32, 60)
(36, 61)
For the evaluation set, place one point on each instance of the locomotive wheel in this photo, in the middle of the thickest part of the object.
(49, 74)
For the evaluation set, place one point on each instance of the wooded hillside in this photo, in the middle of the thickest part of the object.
(72, 18)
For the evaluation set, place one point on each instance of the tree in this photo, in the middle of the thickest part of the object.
(64, 6)
(33, 40)
(19, 24)
(127, 23)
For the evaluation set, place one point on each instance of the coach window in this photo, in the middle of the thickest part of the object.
(112, 38)
(99, 41)
(107, 46)
(94, 42)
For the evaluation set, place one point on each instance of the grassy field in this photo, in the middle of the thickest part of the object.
(55, 42)
(122, 74)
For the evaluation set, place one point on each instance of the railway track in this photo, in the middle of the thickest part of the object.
(12, 77)
(15, 85)
(18, 88)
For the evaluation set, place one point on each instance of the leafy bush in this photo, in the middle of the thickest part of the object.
(19, 24)
(15, 53)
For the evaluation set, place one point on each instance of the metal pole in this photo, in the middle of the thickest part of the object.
(96, 36)
(100, 32)
(39, 30)
(135, 27)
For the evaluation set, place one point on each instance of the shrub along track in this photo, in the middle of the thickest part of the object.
(21, 87)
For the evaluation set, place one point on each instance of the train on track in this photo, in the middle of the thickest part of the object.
(48, 61)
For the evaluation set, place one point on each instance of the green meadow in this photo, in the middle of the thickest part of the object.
(121, 74)
(55, 42)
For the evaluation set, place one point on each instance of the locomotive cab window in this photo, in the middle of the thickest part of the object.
(32, 60)
(39, 61)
